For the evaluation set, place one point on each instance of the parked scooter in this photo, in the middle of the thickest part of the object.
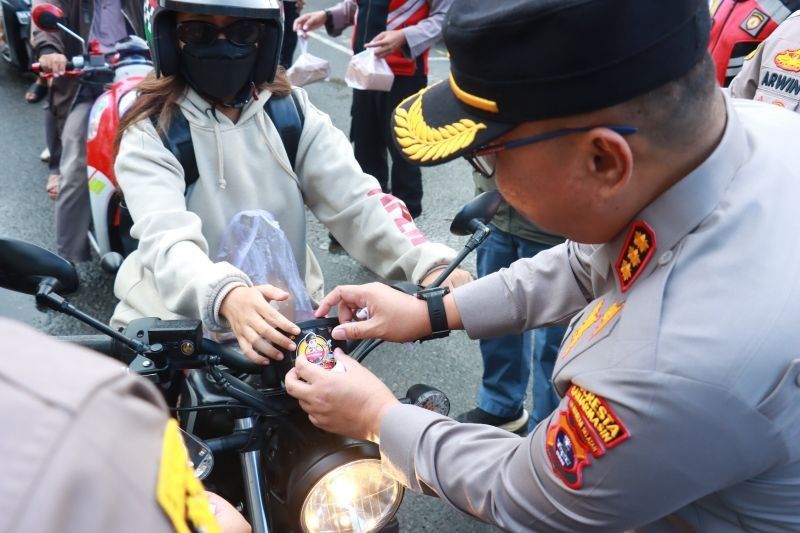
(116, 76)
(294, 476)
(17, 29)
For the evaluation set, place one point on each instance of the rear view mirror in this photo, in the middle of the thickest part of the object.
(23, 266)
(481, 208)
(47, 17)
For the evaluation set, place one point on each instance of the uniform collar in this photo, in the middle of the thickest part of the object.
(680, 209)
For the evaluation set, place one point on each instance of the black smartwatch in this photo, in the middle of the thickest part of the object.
(328, 17)
(435, 299)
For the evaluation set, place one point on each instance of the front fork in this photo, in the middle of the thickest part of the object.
(255, 485)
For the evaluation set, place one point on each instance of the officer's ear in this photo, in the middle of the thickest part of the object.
(609, 161)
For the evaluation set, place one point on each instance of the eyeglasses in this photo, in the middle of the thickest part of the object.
(483, 159)
(240, 33)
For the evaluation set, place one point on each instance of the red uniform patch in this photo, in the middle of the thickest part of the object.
(636, 252)
(588, 426)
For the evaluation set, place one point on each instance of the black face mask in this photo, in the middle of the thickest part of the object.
(221, 71)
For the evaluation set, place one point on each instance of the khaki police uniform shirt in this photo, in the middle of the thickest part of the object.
(772, 73)
(81, 442)
(679, 373)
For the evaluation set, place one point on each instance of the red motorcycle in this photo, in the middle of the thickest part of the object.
(116, 75)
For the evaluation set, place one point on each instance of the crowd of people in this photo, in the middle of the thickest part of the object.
(641, 272)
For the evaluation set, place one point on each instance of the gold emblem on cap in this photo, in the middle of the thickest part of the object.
(471, 100)
(421, 142)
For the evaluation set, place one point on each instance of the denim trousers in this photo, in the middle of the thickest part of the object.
(509, 360)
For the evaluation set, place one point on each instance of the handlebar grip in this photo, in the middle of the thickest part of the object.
(230, 357)
(37, 67)
(98, 343)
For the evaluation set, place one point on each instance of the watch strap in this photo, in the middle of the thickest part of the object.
(434, 298)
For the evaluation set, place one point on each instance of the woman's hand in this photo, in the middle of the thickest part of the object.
(309, 21)
(392, 315)
(456, 278)
(351, 403)
(256, 323)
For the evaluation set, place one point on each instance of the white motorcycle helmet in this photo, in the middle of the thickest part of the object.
(159, 19)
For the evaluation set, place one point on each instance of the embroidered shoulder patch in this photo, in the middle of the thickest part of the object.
(636, 252)
(788, 60)
(755, 22)
(588, 427)
(565, 452)
(180, 494)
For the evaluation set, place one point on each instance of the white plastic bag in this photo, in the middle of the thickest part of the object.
(308, 68)
(255, 244)
(369, 72)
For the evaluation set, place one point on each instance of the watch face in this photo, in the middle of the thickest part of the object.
(434, 400)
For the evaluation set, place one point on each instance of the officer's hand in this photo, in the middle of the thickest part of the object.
(456, 278)
(392, 315)
(309, 21)
(55, 63)
(351, 403)
(229, 519)
(255, 322)
(387, 42)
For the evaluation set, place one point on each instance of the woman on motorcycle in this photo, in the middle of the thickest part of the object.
(217, 64)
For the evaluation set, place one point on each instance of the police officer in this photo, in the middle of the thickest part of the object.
(772, 73)
(87, 448)
(679, 375)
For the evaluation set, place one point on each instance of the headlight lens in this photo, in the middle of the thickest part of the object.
(355, 497)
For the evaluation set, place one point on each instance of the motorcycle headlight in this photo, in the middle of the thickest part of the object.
(355, 497)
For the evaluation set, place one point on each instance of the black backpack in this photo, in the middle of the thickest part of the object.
(284, 111)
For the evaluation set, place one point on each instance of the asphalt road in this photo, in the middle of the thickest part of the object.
(452, 364)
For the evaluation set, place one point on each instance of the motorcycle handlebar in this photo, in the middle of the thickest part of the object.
(98, 343)
(70, 72)
(230, 357)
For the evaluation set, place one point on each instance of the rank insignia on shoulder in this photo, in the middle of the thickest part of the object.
(636, 252)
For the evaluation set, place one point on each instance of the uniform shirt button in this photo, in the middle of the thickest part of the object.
(665, 258)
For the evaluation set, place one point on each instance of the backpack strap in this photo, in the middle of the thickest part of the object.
(285, 113)
(178, 140)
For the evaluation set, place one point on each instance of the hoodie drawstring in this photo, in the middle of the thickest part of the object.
(220, 157)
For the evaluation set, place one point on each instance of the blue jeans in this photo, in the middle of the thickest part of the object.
(507, 360)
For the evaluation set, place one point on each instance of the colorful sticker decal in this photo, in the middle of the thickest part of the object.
(788, 60)
(597, 317)
(317, 350)
(565, 452)
(636, 252)
(755, 22)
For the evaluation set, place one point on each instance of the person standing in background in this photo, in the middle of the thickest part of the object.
(402, 32)
(291, 9)
(508, 359)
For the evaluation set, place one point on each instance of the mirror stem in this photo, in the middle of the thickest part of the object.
(481, 232)
(73, 34)
(46, 297)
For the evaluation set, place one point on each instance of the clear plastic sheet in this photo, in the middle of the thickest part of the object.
(255, 244)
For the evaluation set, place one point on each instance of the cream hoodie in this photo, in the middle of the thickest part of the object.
(245, 166)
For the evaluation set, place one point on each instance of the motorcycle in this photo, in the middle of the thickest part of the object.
(17, 29)
(294, 476)
(116, 76)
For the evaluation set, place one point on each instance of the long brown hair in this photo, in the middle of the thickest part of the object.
(158, 97)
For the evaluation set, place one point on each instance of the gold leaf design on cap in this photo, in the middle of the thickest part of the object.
(421, 142)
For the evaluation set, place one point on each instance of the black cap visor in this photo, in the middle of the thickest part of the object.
(433, 127)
